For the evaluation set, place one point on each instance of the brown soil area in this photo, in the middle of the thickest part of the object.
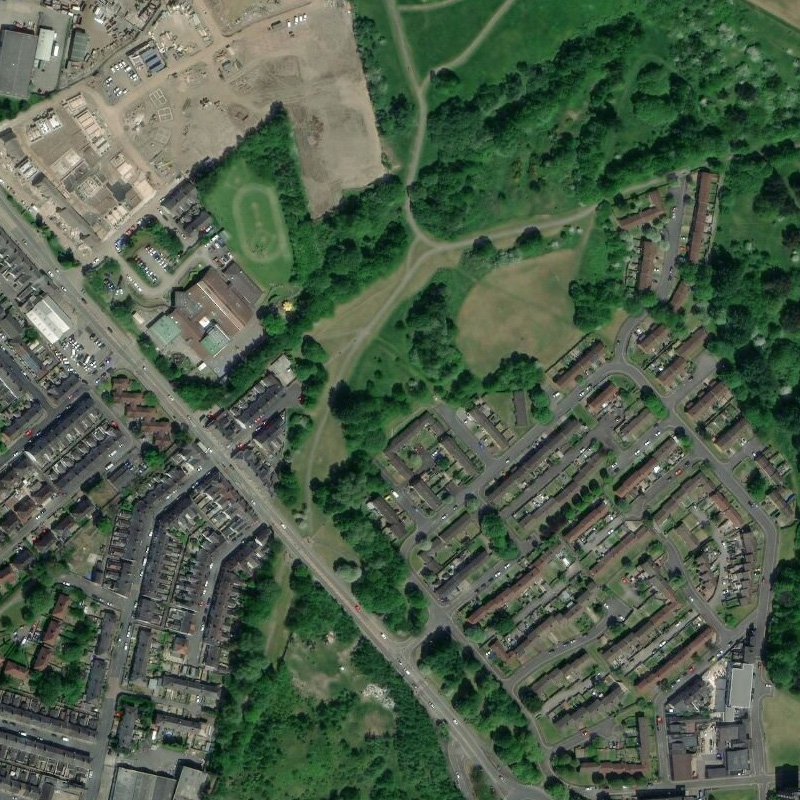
(787, 10)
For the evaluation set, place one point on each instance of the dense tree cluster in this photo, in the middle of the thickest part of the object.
(755, 336)
(480, 698)
(380, 588)
(494, 149)
(520, 372)
(496, 531)
(782, 643)
(274, 740)
(394, 112)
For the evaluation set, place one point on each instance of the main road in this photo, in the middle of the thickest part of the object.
(128, 358)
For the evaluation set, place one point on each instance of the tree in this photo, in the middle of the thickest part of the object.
(38, 597)
(516, 372)
(153, 457)
(757, 485)
(495, 530)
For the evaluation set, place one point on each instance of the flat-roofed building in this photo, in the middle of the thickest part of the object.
(134, 784)
(45, 44)
(49, 320)
(17, 54)
(740, 686)
(79, 46)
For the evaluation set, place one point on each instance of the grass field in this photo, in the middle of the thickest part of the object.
(782, 728)
(438, 35)
(524, 307)
(274, 629)
(745, 793)
(786, 544)
(251, 214)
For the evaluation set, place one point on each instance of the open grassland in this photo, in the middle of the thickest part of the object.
(439, 34)
(782, 728)
(524, 307)
(250, 212)
(744, 793)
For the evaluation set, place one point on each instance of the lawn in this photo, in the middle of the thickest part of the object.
(782, 729)
(524, 307)
(786, 548)
(745, 793)
(273, 627)
(438, 35)
(250, 212)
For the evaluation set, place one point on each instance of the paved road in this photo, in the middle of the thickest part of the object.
(299, 545)
(283, 525)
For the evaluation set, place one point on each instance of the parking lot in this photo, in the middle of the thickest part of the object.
(83, 353)
(118, 81)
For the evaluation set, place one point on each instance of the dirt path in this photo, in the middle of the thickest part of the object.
(428, 6)
(425, 256)
(485, 32)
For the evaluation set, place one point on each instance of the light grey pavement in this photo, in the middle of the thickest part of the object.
(475, 747)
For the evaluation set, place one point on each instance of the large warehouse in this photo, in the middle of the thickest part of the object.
(17, 54)
(51, 322)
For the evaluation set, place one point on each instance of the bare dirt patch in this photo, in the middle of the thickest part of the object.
(524, 307)
(212, 93)
(233, 15)
(786, 10)
(317, 74)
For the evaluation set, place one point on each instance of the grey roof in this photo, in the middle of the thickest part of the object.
(737, 761)
(17, 51)
(740, 687)
(79, 48)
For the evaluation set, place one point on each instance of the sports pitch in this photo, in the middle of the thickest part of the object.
(250, 212)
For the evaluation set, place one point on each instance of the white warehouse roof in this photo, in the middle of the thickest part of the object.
(51, 322)
(45, 45)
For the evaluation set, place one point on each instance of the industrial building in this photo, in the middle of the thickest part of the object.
(49, 320)
(17, 54)
(31, 58)
(79, 46)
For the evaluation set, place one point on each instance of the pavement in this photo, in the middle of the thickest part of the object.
(299, 545)
(296, 542)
